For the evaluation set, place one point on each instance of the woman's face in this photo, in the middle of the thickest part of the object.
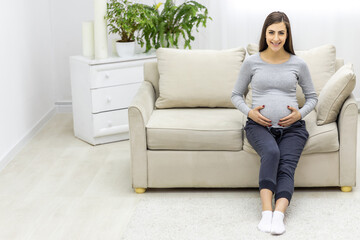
(276, 35)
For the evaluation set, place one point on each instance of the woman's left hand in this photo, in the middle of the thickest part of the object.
(291, 118)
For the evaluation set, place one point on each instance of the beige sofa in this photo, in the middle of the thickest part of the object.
(178, 140)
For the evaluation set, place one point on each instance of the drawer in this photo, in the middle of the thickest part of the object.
(110, 123)
(113, 98)
(117, 74)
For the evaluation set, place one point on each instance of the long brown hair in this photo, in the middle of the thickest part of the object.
(277, 17)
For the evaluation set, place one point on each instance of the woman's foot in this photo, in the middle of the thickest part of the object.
(277, 224)
(265, 222)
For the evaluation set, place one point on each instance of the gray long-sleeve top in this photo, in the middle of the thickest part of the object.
(274, 85)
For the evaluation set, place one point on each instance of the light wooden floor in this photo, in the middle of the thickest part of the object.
(59, 187)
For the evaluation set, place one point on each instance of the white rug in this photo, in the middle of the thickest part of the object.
(231, 218)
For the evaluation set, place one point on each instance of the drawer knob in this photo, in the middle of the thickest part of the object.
(107, 75)
(110, 123)
(108, 99)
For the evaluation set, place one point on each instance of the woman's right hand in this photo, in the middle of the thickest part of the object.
(256, 116)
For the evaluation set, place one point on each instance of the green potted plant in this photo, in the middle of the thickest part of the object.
(164, 28)
(125, 18)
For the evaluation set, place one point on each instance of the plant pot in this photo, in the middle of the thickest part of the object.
(125, 49)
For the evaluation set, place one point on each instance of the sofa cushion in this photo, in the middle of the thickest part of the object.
(252, 48)
(321, 62)
(197, 78)
(195, 129)
(321, 139)
(334, 93)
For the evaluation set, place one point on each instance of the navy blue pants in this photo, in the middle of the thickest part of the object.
(279, 150)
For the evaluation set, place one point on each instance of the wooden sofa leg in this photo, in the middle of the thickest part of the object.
(346, 189)
(140, 190)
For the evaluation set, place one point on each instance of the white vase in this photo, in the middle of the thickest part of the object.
(100, 29)
(88, 39)
(125, 49)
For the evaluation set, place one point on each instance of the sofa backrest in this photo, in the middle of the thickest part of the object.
(339, 63)
(197, 78)
(151, 73)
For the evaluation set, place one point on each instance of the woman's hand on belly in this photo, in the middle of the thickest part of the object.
(256, 116)
(291, 118)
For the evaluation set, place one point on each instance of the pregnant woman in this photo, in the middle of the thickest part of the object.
(275, 128)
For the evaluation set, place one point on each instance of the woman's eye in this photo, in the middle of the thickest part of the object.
(280, 33)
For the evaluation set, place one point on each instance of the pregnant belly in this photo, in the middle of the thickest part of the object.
(277, 110)
(275, 113)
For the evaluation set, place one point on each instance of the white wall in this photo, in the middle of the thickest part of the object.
(26, 92)
(67, 17)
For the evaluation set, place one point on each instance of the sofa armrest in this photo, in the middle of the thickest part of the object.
(347, 124)
(140, 111)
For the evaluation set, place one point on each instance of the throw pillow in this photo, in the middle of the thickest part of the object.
(252, 48)
(334, 93)
(321, 62)
(197, 78)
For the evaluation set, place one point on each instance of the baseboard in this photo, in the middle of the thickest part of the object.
(5, 159)
(63, 106)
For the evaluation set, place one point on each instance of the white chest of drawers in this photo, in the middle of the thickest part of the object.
(101, 93)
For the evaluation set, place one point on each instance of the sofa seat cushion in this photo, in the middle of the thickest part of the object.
(195, 129)
(321, 139)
